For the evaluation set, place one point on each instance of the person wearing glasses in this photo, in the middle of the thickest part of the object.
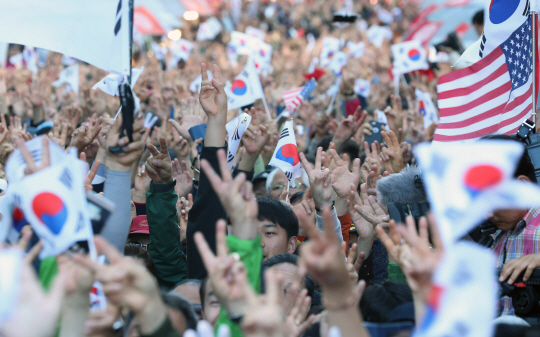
(276, 183)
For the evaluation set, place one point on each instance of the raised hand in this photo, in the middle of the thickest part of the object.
(190, 116)
(31, 166)
(348, 127)
(6, 147)
(142, 185)
(85, 134)
(319, 180)
(305, 210)
(296, 321)
(391, 155)
(59, 134)
(35, 305)
(132, 151)
(226, 273)
(341, 177)
(126, 282)
(236, 196)
(212, 96)
(323, 258)
(184, 181)
(354, 262)
(264, 314)
(159, 165)
(417, 258)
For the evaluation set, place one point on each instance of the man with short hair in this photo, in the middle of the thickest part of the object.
(278, 227)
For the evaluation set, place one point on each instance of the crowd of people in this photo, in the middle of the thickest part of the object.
(195, 248)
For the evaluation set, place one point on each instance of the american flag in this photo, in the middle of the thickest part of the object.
(493, 95)
(294, 98)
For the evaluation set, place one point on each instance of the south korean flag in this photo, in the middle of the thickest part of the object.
(54, 203)
(286, 154)
(235, 130)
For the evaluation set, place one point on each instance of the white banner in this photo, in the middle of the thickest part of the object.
(94, 31)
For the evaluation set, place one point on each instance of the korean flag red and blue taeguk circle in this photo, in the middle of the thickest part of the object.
(289, 154)
(239, 87)
(50, 210)
(414, 54)
(502, 10)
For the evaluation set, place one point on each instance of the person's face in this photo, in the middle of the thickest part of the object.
(280, 182)
(178, 320)
(506, 220)
(212, 307)
(191, 292)
(259, 188)
(274, 240)
(291, 277)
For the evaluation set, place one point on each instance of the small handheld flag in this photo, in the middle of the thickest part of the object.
(409, 56)
(286, 154)
(245, 89)
(235, 130)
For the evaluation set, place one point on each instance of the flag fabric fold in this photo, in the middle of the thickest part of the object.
(96, 32)
(286, 154)
(245, 89)
(493, 95)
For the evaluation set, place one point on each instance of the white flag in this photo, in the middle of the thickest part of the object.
(409, 56)
(181, 50)
(338, 62)
(96, 32)
(463, 296)
(466, 182)
(30, 57)
(109, 84)
(70, 75)
(502, 19)
(377, 35)
(241, 43)
(235, 130)
(245, 89)
(261, 55)
(356, 50)
(286, 154)
(255, 32)
(209, 29)
(426, 108)
(329, 48)
(362, 87)
(16, 60)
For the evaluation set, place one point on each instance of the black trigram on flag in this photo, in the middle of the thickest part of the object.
(482, 45)
(527, 8)
(284, 133)
(235, 135)
(66, 178)
(118, 25)
(230, 157)
(245, 73)
(289, 175)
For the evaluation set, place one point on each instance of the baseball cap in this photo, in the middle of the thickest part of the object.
(352, 229)
(139, 225)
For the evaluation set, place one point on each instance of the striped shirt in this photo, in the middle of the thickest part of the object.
(512, 244)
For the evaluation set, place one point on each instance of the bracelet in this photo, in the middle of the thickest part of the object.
(350, 93)
(350, 302)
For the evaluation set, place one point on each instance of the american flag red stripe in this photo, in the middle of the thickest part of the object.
(292, 99)
(493, 95)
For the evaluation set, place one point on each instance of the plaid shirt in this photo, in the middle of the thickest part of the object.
(509, 245)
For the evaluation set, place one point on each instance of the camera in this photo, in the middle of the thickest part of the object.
(525, 296)
(526, 133)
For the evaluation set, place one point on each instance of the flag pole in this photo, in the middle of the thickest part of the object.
(534, 51)
(130, 40)
(266, 107)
